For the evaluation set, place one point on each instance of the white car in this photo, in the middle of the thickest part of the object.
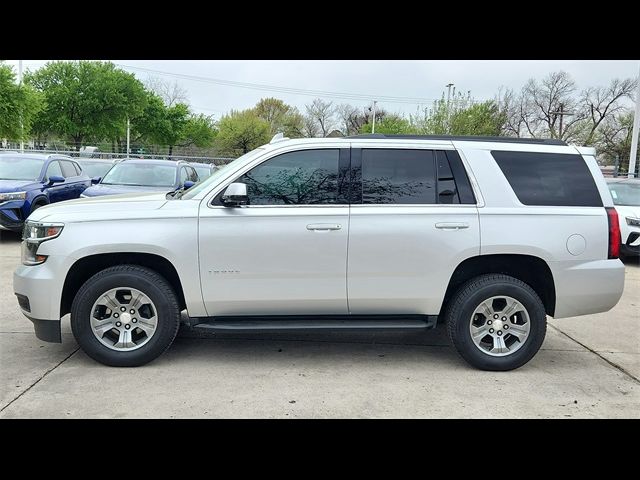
(489, 234)
(626, 197)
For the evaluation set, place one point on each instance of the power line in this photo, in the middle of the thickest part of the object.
(290, 90)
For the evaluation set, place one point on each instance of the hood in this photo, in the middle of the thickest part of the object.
(112, 207)
(628, 211)
(16, 185)
(100, 189)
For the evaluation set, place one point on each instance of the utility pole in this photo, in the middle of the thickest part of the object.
(634, 134)
(373, 127)
(21, 124)
(128, 133)
(561, 113)
(449, 85)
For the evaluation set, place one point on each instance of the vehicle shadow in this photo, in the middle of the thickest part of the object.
(7, 236)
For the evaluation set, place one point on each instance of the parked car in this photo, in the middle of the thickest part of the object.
(204, 169)
(96, 168)
(626, 198)
(32, 180)
(489, 234)
(142, 176)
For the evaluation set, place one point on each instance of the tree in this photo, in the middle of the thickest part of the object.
(200, 131)
(479, 119)
(281, 117)
(18, 103)
(391, 124)
(241, 131)
(613, 139)
(354, 118)
(321, 114)
(86, 100)
(170, 93)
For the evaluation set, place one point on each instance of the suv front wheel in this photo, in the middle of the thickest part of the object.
(496, 322)
(125, 316)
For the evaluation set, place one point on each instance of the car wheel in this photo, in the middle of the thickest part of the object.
(125, 316)
(35, 206)
(496, 322)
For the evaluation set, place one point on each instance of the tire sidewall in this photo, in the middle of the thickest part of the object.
(537, 318)
(166, 311)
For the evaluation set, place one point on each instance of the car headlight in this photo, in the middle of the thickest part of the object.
(6, 197)
(33, 235)
(634, 222)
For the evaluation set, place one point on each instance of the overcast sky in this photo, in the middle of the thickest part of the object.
(418, 79)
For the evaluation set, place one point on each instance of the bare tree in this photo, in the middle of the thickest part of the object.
(322, 113)
(310, 127)
(170, 93)
(603, 102)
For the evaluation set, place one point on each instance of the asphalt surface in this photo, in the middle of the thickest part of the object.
(588, 367)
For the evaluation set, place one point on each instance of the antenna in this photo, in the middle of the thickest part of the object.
(278, 137)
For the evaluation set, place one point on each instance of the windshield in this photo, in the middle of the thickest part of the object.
(19, 168)
(149, 174)
(95, 169)
(203, 172)
(625, 193)
(221, 172)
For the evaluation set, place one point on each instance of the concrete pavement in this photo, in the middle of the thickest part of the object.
(588, 368)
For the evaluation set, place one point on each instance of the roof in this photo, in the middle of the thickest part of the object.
(466, 138)
(152, 161)
(39, 156)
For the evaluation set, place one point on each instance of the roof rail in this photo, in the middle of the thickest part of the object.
(466, 138)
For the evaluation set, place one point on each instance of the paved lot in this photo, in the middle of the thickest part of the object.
(588, 367)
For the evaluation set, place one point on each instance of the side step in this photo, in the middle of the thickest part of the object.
(346, 322)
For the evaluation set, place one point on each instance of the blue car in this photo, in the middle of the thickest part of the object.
(31, 180)
(143, 176)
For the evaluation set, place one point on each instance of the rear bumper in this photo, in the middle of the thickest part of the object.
(583, 288)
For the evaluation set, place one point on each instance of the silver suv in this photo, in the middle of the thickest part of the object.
(490, 235)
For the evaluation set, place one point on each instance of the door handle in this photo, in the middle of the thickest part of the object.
(323, 227)
(451, 226)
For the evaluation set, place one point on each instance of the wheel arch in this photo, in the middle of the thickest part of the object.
(532, 270)
(84, 268)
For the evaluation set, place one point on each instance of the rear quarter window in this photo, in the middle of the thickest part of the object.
(549, 179)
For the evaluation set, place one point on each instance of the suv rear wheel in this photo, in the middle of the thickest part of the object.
(496, 322)
(125, 316)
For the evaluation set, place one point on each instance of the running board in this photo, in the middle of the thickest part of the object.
(346, 322)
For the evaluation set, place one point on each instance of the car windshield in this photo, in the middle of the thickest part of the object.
(19, 168)
(95, 169)
(625, 193)
(203, 172)
(142, 174)
(221, 172)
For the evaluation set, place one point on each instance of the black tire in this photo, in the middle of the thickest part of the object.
(472, 294)
(35, 206)
(151, 284)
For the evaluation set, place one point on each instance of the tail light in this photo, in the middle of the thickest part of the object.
(614, 232)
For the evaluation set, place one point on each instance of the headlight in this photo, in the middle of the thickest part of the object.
(6, 197)
(33, 235)
(634, 222)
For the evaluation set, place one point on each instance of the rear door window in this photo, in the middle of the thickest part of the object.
(549, 179)
(68, 169)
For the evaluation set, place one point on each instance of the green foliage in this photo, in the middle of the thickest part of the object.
(280, 116)
(241, 131)
(86, 100)
(390, 124)
(478, 119)
(200, 130)
(17, 102)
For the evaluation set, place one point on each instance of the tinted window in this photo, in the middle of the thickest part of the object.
(447, 191)
(68, 169)
(96, 169)
(398, 176)
(549, 178)
(203, 172)
(54, 169)
(306, 177)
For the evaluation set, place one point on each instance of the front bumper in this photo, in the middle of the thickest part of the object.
(11, 219)
(42, 286)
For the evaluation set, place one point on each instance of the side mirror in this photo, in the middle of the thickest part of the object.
(95, 180)
(235, 195)
(55, 179)
(188, 184)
